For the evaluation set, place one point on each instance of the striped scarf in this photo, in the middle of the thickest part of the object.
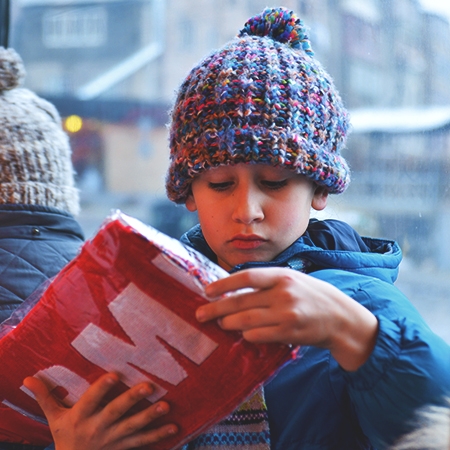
(247, 428)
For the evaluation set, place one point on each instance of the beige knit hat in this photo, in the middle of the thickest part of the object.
(35, 155)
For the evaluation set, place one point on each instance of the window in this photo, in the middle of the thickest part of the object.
(83, 27)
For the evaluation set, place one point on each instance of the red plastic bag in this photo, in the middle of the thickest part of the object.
(127, 304)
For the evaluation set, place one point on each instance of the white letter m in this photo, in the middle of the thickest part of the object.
(143, 319)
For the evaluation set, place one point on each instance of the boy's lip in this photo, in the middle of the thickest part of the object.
(247, 241)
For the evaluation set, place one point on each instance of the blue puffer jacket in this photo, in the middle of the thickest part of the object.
(312, 402)
(35, 244)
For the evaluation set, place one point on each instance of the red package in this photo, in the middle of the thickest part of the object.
(127, 304)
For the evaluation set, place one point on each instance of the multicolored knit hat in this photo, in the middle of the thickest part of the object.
(35, 156)
(262, 98)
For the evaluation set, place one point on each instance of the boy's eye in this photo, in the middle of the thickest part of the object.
(220, 186)
(274, 185)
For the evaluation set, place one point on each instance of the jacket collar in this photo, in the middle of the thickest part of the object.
(326, 244)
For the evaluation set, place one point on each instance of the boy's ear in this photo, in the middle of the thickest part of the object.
(320, 197)
(190, 203)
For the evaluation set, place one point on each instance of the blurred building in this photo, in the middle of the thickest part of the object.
(390, 61)
(400, 160)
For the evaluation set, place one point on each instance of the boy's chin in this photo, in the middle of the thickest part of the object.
(244, 259)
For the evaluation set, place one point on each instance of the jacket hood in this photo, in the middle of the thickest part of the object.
(326, 244)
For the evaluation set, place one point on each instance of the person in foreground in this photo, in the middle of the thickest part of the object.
(256, 136)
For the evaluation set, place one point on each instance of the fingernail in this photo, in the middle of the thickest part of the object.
(160, 409)
(172, 430)
(111, 380)
(145, 391)
(200, 315)
(209, 292)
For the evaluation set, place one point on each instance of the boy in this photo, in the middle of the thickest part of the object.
(255, 139)
(256, 134)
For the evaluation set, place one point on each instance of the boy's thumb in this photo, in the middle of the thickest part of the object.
(43, 396)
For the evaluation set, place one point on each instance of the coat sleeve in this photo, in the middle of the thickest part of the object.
(408, 368)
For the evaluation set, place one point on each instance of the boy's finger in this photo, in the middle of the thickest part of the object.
(115, 409)
(136, 422)
(92, 398)
(44, 397)
(264, 335)
(245, 289)
(149, 437)
(261, 278)
(232, 305)
(257, 317)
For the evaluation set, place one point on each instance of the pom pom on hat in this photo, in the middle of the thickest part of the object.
(35, 157)
(281, 25)
(260, 99)
(12, 72)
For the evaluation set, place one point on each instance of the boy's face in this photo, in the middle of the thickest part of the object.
(252, 212)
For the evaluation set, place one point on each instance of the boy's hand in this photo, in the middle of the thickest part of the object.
(293, 308)
(88, 425)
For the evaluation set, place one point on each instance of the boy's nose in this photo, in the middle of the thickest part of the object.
(247, 206)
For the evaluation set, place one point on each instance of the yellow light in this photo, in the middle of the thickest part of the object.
(73, 123)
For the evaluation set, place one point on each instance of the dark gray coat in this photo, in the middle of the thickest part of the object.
(35, 244)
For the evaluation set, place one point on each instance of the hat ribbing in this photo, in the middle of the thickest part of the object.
(262, 98)
(35, 156)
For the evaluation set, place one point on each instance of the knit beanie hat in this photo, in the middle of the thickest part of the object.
(262, 98)
(35, 156)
